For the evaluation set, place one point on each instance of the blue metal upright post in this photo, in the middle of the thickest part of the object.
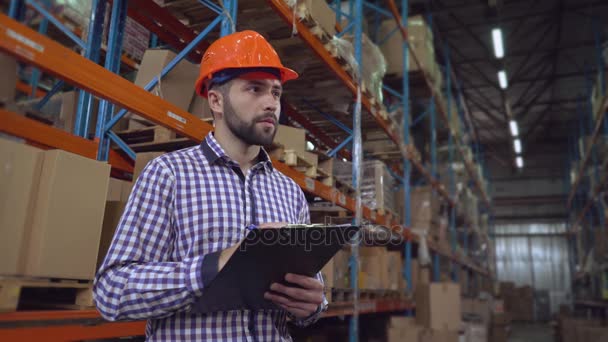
(112, 63)
(16, 10)
(92, 52)
(433, 130)
(357, 14)
(42, 28)
(407, 165)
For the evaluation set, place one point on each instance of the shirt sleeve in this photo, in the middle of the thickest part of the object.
(138, 279)
(304, 218)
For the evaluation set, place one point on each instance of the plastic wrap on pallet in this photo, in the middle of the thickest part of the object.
(77, 11)
(344, 49)
(374, 64)
(374, 68)
(376, 183)
(318, 11)
(424, 257)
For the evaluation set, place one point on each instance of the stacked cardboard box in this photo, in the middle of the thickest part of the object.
(429, 335)
(135, 39)
(523, 304)
(425, 208)
(421, 45)
(438, 310)
(377, 184)
(373, 272)
(60, 110)
(394, 262)
(51, 209)
(579, 329)
(294, 139)
(176, 87)
(475, 332)
(403, 329)
(319, 12)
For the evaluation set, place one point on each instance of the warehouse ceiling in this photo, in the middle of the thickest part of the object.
(549, 50)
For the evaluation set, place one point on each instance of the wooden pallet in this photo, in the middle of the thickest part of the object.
(294, 159)
(148, 134)
(44, 293)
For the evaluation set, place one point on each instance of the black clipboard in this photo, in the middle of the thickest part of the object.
(264, 257)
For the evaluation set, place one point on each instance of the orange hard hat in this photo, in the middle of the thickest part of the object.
(240, 50)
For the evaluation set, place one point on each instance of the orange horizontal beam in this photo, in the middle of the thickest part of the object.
(27, 89)
(51, 137)
(50, 315)
(74, 332)
(367, 307)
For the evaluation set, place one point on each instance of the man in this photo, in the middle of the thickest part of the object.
(189, 209)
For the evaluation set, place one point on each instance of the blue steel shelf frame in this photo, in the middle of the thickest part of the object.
(91, 49)
(594, 214)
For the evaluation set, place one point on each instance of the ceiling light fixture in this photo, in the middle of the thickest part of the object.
(502, 79)
(517, 146)
(514, 128)
(499, 50)
(520, 162)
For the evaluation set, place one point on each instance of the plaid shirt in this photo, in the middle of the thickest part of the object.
(187, 205)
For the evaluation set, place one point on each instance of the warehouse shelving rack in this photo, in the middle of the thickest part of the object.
(591, 178)
(54, 59)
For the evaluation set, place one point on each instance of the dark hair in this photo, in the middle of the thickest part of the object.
(223, 89)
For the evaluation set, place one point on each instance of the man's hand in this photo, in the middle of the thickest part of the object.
(301, 302)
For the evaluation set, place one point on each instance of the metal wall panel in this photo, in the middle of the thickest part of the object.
(535, 254)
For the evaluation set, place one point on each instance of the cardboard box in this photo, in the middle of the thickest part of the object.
(176, 87)
(421, 45)
(341, 269)
(112, 214)
(498, 306)
(141, 160)
(323, 15)
(395, 270)
(429, 335)
(483, 309)
(199, 107)
(467, 306)
(424, 207)
(499, 333)
(20, 167)
(475, 332)
(592, 334)
(438, 306)
(501, 318)
(373, 272)
(8, 70)
(403, 329)
(118, 190)
(291, 138)
(68, 217)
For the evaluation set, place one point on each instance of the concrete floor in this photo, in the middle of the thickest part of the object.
(531, 333)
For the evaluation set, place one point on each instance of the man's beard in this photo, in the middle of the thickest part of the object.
(248, 132)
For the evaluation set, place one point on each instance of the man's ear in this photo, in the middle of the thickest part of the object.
(216, 102)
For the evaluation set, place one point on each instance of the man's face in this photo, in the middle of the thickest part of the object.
(252, 108)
